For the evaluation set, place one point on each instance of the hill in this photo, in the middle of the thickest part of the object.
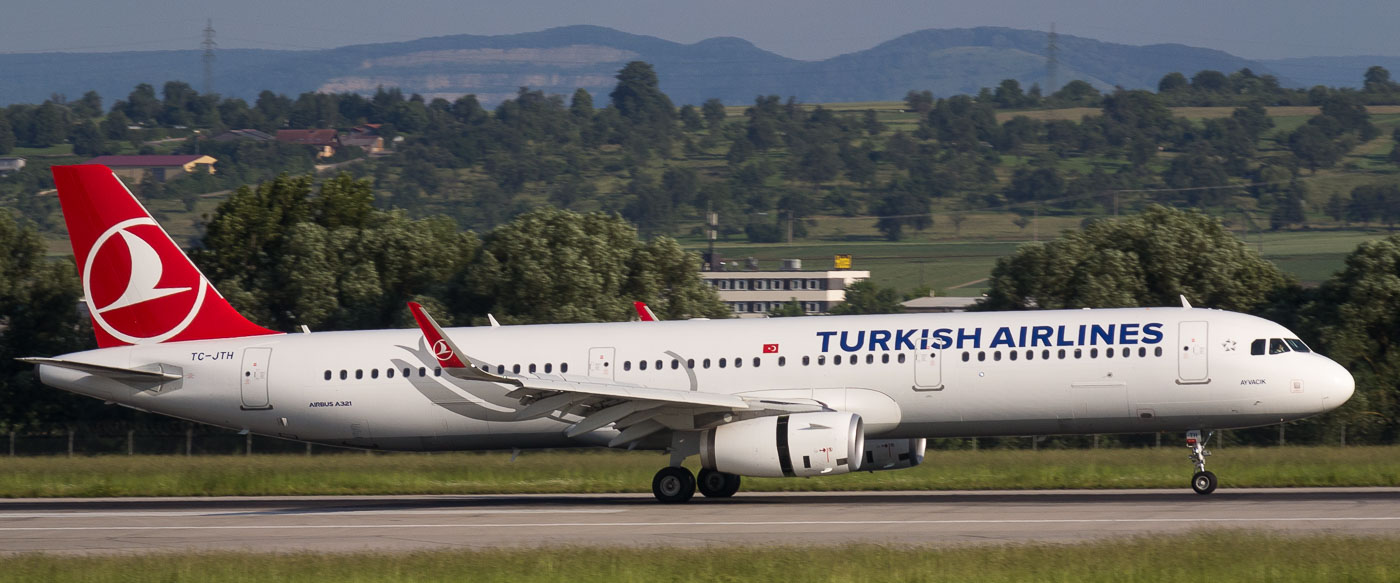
(560, 60)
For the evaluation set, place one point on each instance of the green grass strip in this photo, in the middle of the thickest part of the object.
(603, 471)
(1215, 556)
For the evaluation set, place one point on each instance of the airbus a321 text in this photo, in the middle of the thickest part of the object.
(764, 397)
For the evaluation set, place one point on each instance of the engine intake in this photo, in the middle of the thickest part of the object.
(801, 444)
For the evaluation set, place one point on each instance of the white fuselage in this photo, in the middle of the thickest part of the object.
(1131, 370)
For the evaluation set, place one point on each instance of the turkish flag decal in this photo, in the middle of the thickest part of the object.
(770, 348)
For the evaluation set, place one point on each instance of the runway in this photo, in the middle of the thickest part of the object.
(403, 523)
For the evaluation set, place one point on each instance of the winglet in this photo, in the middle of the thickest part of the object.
(1184, 303)
(447, 352)
(645, 312)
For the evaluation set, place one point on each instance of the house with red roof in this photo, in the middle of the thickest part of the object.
(325, 141)
(135, 169)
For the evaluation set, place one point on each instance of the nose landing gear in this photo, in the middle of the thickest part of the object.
(1204, 481)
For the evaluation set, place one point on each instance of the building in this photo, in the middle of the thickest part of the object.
(944, 304)
(325, 141)
(11, 164)
(134, 169)
(753, 293)
(371, 144)
(244, 135)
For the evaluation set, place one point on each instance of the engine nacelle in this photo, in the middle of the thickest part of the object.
(801, 444)
(892, 454)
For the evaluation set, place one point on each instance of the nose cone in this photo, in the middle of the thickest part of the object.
(1337, 385)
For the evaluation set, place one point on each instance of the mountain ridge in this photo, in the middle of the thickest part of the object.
(561, 59)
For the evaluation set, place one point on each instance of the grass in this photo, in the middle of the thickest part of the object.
(601, 471)
(1220, 556)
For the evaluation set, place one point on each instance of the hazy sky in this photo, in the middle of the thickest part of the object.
(810, 29)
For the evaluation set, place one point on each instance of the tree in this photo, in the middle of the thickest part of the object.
(7, 134)
(1311, 145)
(51, 124)
(37, 318)
(1357, 319)
(788, 309)
(1146, 260)
(920, 102)
(713, 111)
(1172, 82)
(89, 141)
(142, 106)
(581, 105)
(638, 95)
(864, 297)
(899, 208)
(550, 265)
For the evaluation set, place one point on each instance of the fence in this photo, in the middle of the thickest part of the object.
(192, 441)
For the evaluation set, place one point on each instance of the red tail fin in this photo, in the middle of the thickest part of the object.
(139, 286)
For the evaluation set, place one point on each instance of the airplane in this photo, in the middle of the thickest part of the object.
(783, 397)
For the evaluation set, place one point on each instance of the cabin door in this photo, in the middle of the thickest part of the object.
(1192, 352)
(253, 378)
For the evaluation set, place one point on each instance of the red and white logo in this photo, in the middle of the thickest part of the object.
(770, 348)
(139, 286)
(441, 350)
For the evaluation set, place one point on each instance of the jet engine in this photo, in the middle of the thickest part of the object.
(892, 454)
(800, 444)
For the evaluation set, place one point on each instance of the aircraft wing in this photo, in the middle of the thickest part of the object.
(636, 410)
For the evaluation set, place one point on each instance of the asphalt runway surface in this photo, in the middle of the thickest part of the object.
(403, 523)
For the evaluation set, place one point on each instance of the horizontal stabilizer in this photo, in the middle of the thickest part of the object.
(155, 372)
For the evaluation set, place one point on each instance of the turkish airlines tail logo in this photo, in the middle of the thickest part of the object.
(139, 286)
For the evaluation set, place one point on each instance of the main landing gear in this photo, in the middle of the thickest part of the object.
(675, 485)
(1204, 481)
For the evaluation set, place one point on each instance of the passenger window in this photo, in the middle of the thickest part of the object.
(1157, 351)
(901, 358)
(515, 369)
(1030, 355)
(821, 359)
(706, 363)
(1142, 352)
(721, 363)
(437, 372)
(1109, 353)
(328, 375)
(757, 361)
(1012, 354)
(996, 356)
(642, 364)
(408, 372)
(374, 373)
(548, 367)
(981, 356)
(1078, 353)
(782, 361)
(343, 375)
(806, 360)
(690, 363)
(422, 372)
(885, 358)
(675, 364)
(870, 359)
(836, 359)
(966, 356)
(1297, 345)
(738, 362)
(359, 374)
(1256, 348)
(1093, 353)
(658, 365)
(1062, 354)
(390, 373)
(1277, 346)
(1045, 354)
(563, 367)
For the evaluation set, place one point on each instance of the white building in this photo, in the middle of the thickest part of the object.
(11, 164)
(753, 293)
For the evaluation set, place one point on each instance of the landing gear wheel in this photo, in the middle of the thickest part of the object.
(1204, 482)
(716, 484)
(673, 485)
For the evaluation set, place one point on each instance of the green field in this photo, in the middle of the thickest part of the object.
(601, 471)
(1218, 556)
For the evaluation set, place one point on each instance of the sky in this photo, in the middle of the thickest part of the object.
(809, 29)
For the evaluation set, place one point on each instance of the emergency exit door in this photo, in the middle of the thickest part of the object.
(253, 378)
(1193, 352)
(928, 370)
(600, 362)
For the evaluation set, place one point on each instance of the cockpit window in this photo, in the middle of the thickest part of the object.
(1297, 345)
(1257, 347)
(1277, 346)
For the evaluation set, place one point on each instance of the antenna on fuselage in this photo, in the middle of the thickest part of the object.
(1184, 303)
